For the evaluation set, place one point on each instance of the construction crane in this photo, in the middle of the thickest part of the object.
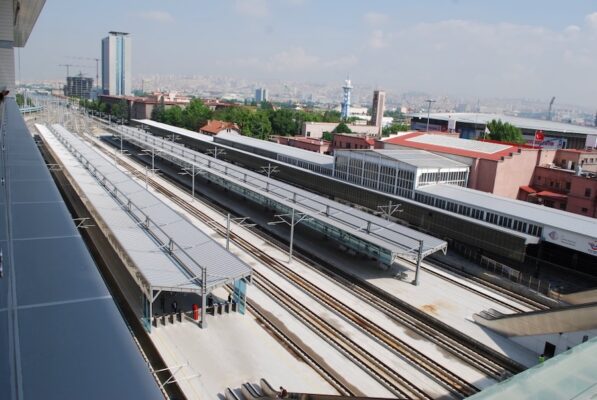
(72, 65)
(550, 107)
(97, 60)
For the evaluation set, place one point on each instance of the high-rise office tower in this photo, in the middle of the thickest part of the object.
(116, 64)
(377, 110)
(261, 95)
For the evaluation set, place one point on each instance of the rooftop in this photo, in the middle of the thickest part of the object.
(307, 140)
(570, 375)
(62, 334)
(520, 122)
(174, 129)
(289, 151)
(213, 126)
(397, 239)
(417, 158)
(452, 145)
(194, 249)
(527, 211)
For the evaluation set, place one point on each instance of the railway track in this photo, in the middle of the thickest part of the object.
(332, 377)
(386, 375)
(457, 386)
(529, 303)
(394, 382)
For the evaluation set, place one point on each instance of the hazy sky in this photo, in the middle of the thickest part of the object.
(476, 48)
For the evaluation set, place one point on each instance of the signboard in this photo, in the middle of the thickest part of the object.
(547, 142)
(573, 241)
(240, 295)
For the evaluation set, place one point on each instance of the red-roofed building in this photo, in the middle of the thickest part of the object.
(215, 127)
(341, 141)
(495, 167)
(562, 189)
(305, 143)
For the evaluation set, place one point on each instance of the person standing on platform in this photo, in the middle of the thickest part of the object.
(174, 306)
(541, 358)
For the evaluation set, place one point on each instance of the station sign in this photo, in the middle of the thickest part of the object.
(570, 240)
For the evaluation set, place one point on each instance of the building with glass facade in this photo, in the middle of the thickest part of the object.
(116, 64)
(398, 172)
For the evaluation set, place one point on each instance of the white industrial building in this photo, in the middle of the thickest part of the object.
(399, 172)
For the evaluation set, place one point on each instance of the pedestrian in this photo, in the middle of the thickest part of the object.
(163, 302)
(283, 393)
(174, 306)
(229, 298)
(541, 358)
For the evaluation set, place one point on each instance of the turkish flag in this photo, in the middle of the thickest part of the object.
(539, 135)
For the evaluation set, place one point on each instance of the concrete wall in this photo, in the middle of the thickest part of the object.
(562, 341)
(513, 172)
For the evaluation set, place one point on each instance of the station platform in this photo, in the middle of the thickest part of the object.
(163, 252)
(363, 232)
(456, 307)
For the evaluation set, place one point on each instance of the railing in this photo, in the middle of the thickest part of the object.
(167, 244)
(186, 158)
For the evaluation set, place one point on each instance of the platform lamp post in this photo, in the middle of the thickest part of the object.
(295, 218)
(428, 101)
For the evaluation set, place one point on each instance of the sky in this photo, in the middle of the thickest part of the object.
(461, 48)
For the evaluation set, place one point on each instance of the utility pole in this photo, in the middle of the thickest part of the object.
(215, 152)
(268, 171)
(295, 218)
(429, 101)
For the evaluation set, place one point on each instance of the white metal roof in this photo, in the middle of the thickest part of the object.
(289, 151)
(457, 143)
(540, 215)
(395, 238)
(61, 333)
(416, 158)
(520, 122)
(158, 270)
(174, 129)
(194, 248)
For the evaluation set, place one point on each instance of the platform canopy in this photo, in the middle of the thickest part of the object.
(200, 259)
(365, 229)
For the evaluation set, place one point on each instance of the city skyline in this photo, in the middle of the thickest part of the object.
(457, 48)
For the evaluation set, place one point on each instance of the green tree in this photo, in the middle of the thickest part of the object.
(21, 100)
(173, 116)
(259, 125)
(331, 116)
(119, 110)
(328, 136)
(195, 115)
(394, 128)
(158, 113)
(504, 132)
(342, 128)
(285, 121)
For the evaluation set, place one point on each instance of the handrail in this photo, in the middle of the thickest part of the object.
(206, 162)
(168, 244)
